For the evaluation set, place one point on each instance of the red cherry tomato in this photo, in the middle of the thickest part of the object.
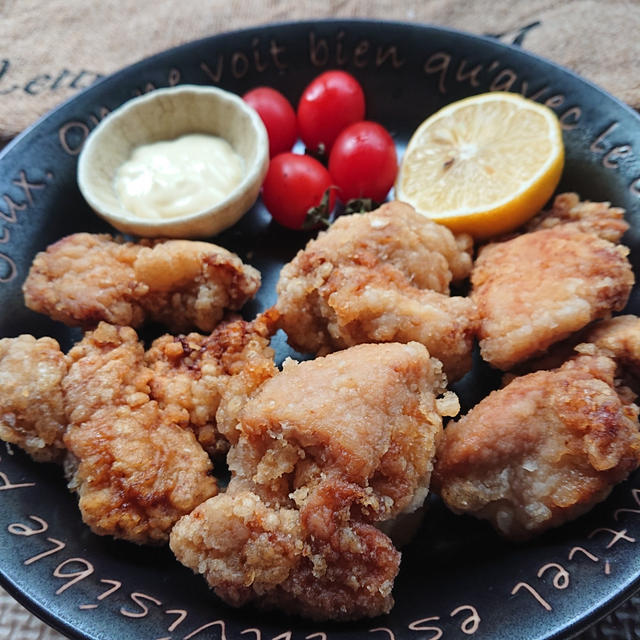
(295, 185)
(363, 162)
(278, 117)
(332, 101)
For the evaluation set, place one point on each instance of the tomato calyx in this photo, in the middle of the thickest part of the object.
(320, 215)
(360, 205)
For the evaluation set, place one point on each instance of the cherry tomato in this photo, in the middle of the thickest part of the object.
(294, 189)
(329, 103)
(278, 117)
(363, 162)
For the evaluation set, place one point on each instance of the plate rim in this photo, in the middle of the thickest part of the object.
(573, 627)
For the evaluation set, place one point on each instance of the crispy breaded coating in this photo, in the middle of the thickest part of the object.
(134, 470)
(382, 276)
(600, 218)
(367, 414)
(247, 549)
(257, 546)
(422, 251)
(360, 305)
(538, 288)
(618, 338)
(32, 413)
(195, 376)
(542, 450)
(326, 448)
(85, 278)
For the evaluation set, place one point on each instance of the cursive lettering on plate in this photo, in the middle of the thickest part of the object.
(16, 201)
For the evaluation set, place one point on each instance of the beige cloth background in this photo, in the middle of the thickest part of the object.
(49, 49)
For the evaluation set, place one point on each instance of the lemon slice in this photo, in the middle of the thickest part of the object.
(483, 165)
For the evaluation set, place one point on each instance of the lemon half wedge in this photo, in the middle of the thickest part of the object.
(483, 165)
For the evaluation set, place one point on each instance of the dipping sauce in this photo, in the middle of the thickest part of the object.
(174, 178)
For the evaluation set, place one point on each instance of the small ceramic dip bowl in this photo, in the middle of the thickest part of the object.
(168, 114)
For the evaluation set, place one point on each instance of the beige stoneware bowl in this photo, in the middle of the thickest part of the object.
(166, 114)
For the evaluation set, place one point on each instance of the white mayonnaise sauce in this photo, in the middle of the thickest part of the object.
(169, 179)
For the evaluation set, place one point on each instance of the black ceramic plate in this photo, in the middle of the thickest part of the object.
(458, 579)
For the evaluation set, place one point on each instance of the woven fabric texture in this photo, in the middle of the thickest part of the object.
(16, 623)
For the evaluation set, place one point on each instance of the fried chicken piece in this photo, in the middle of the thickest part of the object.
(32, 413)
(618, 338)
(85, 278)
(246, 550)
(197, 376)
(383, 276)
(238, 535)
(538, 288)
(367, 414)
(360, 305)
(542, 450)
(135, 471)
(424, 252)
(326, 448)
(600, 218)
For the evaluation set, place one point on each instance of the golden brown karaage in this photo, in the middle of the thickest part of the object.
(540, 287)
(32, 413)
(600, 218)
(326, 449)
(382, 276)
(134, 470)
(130, 426)
(196, 376)
(542, 450)
(618, 338)
(85, 278)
